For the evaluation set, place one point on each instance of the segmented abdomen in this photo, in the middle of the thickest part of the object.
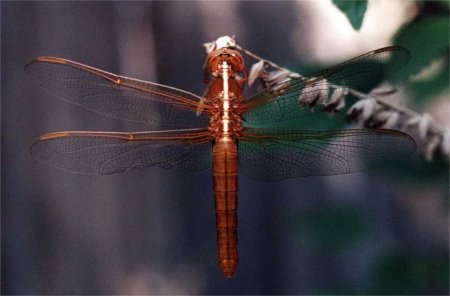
(225, 194)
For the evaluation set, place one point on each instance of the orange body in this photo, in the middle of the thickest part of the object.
(225, 94)
(225, 166)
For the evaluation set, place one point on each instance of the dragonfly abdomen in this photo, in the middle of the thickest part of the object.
(225, 194)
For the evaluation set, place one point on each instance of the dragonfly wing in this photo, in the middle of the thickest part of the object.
(281, 154)
(100, 153)
(363, 73)
(117, 96)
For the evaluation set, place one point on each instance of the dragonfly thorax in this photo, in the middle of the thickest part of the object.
(224, 94)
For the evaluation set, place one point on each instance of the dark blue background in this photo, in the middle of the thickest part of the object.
(152, 231)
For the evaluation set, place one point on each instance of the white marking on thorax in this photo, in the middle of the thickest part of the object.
(226, 99)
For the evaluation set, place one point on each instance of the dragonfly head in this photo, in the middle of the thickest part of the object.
(231, 56)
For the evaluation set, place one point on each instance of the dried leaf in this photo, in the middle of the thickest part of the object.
(369, 106)
(256, 72)
(324, 90)
(315, 93)
(413, 121)
(392, 120)
(431, 147)
(337, 100)
(445, 144)
(364, 107)
(277, 77)
(378, 119)
(308, 95)
(424, 125)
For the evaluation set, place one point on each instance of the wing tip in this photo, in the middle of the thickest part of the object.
(48, 59)
(46, 137)
(411, 147)
(54, 135)
(45, 59)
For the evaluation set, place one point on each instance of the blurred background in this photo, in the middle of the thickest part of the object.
(152, 231)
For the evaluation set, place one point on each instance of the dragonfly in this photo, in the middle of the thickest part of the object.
(220, 130)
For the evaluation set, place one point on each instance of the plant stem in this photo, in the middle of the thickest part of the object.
(434, 127)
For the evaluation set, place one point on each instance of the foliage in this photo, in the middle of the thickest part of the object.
(426, 37)
(331, 227)
(428, 41)
(425, 77)
(417, 170)
(404, 273)
(354, 10)
(423, 91)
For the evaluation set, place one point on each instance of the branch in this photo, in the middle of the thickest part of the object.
(373, 110)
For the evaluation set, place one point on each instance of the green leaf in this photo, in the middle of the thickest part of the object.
(402, 272)
(332, 227)
(427, 40)
(416, 171)
(423, 91)
(444, 3)
(354, 10)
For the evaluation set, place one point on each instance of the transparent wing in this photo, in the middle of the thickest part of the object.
(100, 153)
(117, 96)
(278, 154)
(362, 73)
